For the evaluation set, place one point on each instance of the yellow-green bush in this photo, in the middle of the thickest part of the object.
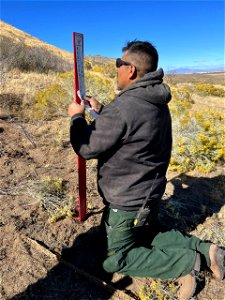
(54, 99)
(51, 192)
(181, 102)
(97, 68)
(51, 185)
(158, 290)
(51, 101)
(208, 89)
(198, 139)
(182, 94)
(100, 87)
(67, 83)
(110, 70)
(67, 75)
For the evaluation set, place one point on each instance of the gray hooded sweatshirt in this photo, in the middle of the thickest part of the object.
(131, 138)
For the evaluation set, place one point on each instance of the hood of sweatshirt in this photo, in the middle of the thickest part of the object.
(150, 88)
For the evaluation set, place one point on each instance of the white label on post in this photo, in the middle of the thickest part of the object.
(80, 72)
(80, 62)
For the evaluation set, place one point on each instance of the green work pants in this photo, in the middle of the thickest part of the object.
(169, 256)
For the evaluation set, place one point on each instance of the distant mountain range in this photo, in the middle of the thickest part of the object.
(193, 70)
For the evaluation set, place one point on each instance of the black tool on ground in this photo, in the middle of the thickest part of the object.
(143, 213)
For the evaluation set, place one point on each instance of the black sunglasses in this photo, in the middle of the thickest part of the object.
(120, 62)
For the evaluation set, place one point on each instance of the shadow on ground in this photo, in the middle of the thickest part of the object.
(192, 201)
(63, 282)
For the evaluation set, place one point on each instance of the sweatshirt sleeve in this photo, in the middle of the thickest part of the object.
(90, 141)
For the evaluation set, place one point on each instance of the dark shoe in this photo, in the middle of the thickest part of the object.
(188, 283)
(217, 257)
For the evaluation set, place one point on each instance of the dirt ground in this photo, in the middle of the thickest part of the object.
(62, 259)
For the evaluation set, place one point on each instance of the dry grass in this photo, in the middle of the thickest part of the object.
(8, 31)
(18, 91)
(26, 53)
(214, 78)
(214, 103)
(26, 82)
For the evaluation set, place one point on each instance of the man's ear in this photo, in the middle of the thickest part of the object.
(132, 72)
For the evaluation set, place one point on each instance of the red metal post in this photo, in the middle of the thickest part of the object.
(81, 163)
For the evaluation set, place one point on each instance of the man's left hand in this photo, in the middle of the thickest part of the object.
(75, 108)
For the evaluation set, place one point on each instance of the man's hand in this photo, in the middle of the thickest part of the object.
(75, 108)
(94, 104)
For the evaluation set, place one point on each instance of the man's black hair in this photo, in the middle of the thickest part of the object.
(147, 55)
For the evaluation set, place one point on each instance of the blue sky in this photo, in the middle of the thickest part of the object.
(187, 34)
